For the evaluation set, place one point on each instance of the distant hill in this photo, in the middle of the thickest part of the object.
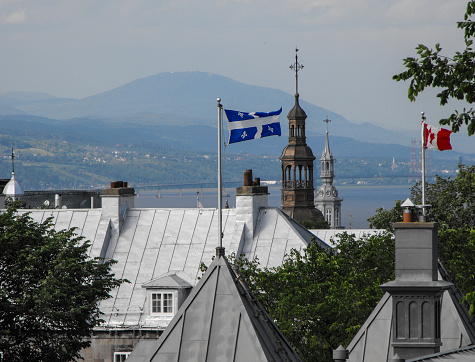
(187, 99)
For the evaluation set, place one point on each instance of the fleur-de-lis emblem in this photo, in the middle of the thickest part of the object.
(244, 135)
(240, 114)
(270, 129)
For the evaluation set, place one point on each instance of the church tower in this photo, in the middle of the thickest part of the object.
(327, 200)
(297, 198)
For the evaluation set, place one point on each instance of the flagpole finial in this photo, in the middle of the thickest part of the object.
(423, 115)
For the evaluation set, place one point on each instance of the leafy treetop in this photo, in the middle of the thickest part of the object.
(320, 298)
(49, 290)
(455, 75)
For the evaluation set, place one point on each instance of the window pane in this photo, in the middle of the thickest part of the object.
(121, 356)
(167, 303)
(156, 303)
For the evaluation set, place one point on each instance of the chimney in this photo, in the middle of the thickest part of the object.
(58, 201)
(116, 201)
(416, 293)
(249, 199)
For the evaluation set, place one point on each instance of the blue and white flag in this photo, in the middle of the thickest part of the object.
(245, 126)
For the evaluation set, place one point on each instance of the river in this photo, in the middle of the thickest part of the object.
(359, 202)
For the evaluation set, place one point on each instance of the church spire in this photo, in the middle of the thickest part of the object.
(297, 163)
(326, 151)
(327, 200)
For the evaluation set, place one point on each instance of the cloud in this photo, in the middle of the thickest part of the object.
(17, 17)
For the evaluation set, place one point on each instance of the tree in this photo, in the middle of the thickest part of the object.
(320, 298)
(453, 75)
(314, 223)
(49, 290)
(383, 218)
(452, 203)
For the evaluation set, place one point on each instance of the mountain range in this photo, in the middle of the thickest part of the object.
(178, 110)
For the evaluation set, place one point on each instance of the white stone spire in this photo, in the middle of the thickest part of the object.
(327, 200)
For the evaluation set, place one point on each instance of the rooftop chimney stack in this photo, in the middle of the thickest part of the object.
(416, 293)
(116, 200)
(249, 199)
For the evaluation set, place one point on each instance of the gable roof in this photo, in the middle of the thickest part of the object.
(219, 321)
(373, 340)
(172, 280)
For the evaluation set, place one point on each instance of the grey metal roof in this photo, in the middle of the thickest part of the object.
(153, 242)
(465, 354)
(372, 342)
(220, 321)
(169, 280)
(329, 236)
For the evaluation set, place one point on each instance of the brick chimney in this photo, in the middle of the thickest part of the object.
(249, 199)
(416, 291)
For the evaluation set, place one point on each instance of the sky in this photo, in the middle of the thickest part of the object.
(350, 49)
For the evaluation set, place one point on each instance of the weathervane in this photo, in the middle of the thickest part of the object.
(296, 67)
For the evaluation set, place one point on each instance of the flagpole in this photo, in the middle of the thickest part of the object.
(220, 235)
(423, 153)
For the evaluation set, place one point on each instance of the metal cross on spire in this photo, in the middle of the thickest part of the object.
(327, 121)
(296, 67)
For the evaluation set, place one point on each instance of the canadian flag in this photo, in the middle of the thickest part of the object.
(437, 138)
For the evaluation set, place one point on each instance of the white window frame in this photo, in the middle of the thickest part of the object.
(120, 355)
(171, 303)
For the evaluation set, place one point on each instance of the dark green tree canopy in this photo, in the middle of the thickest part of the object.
(49, 290)
(454, 76)
(320, 298)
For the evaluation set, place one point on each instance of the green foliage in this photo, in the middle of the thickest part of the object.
(320, 298)
(383, 218)
(454, 76)
(49, 290)
(452, 203)
(457, 251)
(452, 200)
(314, 223)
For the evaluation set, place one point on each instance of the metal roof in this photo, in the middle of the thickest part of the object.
(466, 354)
(173, 279)
(373, 340)
(219, 321)
(330, 236)
(153, 242)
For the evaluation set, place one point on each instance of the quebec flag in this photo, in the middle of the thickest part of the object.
(245, 126)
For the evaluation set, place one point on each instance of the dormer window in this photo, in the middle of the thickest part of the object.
(162, 303)
(165, 295)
